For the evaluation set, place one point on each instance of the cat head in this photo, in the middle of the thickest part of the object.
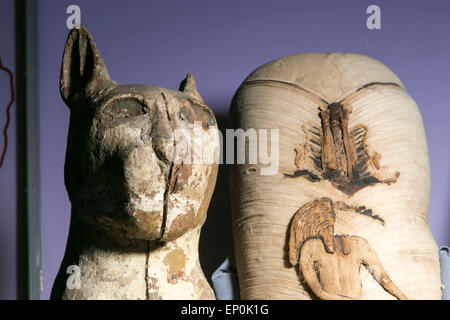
(140, 160)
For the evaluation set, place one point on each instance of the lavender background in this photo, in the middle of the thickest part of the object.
(8, 170)
(221, 43)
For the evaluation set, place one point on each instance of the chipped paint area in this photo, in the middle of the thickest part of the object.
(147, 200)
(211, 139)
(175, 260)
(110, 275)
(183, 208)
(177, 270)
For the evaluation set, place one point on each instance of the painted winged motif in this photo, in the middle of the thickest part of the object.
(334, 153)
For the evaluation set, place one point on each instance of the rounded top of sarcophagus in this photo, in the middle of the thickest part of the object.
(330, 76)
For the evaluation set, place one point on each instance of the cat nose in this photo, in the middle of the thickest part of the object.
(162, 137)
(163, 147)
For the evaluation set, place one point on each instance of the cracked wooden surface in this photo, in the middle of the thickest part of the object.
(139, 193)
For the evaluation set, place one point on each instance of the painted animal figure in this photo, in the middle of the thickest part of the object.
(138, 190)
(328, 263)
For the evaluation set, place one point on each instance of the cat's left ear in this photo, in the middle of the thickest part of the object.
(188, 86)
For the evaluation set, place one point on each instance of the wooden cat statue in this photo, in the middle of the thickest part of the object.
(138, 185)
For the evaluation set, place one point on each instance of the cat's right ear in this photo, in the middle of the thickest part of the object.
(83, 71)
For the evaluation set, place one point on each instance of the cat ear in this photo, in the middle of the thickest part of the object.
(188, 86)
(83, 71)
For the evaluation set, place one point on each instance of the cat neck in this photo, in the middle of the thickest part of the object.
(118, 267)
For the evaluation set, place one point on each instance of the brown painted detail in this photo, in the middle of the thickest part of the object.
(315, 219)
(191, 112)
(177, 179)
(170, 180)
(200, 216)
(180, 223)
(338, 155)
(313, 96)
(179, 176)
(342, 206)
(330, 264)
(148, 224)
(376, 160)
(371, 84)
(298, 156)
(147, 255)
(176, 262)
(152, 290)
(284, 85)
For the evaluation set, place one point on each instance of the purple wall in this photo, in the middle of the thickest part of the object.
(8, 170)
(221, 43)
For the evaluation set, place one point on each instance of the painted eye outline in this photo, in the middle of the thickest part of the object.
(115, 107)
(194, 112)
(183, 116)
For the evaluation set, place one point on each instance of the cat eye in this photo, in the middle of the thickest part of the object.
(126, 107)
(186, 115)
(183, 116)
(198, 113)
